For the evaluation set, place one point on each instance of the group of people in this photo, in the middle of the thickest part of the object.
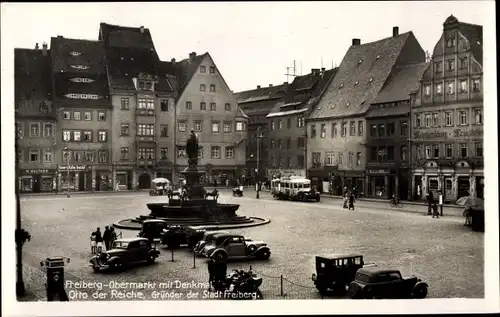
(97, 238)
(349, 198)
(432, 205)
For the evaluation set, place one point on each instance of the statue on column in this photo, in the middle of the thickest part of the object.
(192, 149)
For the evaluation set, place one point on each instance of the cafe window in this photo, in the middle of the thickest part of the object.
(463, 149)
(390, 129)
(360, 128)
(479, 149)
(435, 119)
(47, 156)
(34, 156)
(462, 117)
(478, 116)
(428, 151)
(448, 118)
(381, 130)
(334, 130)
(404, 128)
(373, 130)
(344, 129)
(323, 130)
(353, 128)
(34, 129)
(436, 151)
(404, 153)
(124, 153)
(103, 156)
(448, 150)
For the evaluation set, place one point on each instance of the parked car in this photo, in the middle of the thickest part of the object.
(335, 272)
(153, 229)
(124, 252)
(232, 246)
(374, 282)
(176, 236)
(207, 238)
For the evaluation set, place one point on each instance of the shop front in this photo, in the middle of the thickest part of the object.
(123, 175)
(326, 179)
(37, 180)
(72, 177)
(103, 179)
(353, 179)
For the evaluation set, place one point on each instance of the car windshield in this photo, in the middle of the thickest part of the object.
(120, 245)
(363, 277)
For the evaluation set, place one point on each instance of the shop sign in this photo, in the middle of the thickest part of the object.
(71, 167)
(124, 163)
(36, 171)
(378, 171)
(429, 135)
(471, 132)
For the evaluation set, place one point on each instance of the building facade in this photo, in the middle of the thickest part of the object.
(35, 118)
(84, 114)
(286, 123)
(336, 127)
(257, 104)
(142, 93)
(207, 106)
(447, 117)
(387, 168)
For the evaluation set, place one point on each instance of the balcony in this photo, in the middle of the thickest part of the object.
(145, 112)
(145, 139)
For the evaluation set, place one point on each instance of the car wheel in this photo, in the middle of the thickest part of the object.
(317, 198)
(304, 198)
(420, 291)
(265, 255)
(151, 259)
(117, 265)
(220, 256)
(95, 268)
(251, 249)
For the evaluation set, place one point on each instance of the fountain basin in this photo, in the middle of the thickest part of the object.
(193, 209)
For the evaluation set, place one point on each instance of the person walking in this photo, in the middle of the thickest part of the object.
(435, 212)
(351, 201)
(430, 201)
(106, 237)
(93, 243)
(98, 240)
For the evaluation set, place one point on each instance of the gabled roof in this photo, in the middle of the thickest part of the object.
(360, 76)
(260, 94)
(186, 68)
(32, 75)
(474, 34)
(401, 81)
(304, 92)
(122, 36)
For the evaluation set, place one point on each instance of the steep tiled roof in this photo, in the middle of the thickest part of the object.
(474, 34)
(303, 93)
(32, 75)
(260, 94)
(360, 76)
(186, 68)
(121, 36)
(380, 110)
(401, 81)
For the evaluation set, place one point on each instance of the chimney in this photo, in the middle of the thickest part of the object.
(258, 86)
(323, 69)
(192, 55)
(44, 49)
(356, 42)
(59, 36)
(142, 29)
(36, 46)
(315, 71)
(172, 60)
(270, 85)
(395, 31)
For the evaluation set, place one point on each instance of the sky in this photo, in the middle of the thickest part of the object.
(251, 43)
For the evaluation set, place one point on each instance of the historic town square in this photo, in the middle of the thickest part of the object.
(160, 158)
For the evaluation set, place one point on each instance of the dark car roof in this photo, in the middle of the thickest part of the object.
(131, 239)
(374, 270)
(216, 233)
(337, 256)
(225, 235)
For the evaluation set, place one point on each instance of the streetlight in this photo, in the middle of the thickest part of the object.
(259, 136)
(67, 169)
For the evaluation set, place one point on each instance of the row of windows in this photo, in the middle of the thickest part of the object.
(432, 119)
(203, 69)
(82, 96)
(150, 153)
(450, 65)
(144, 104)
(203, 88)
(87, 115)
(215, 152)
(435, 151)
(343, 129)
(450, 87)
(35, 155)
(382, 130)
(386, 153)
(48, 129)
(83, 136)
(80, 156)
(278, 125)
(278, 144)
(182, 126)
(332, 159)
(203, 106)
(287, 162)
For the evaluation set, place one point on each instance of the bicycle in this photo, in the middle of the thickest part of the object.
(395, 203)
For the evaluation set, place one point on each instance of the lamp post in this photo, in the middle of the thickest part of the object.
(67, 169)
(413, 95)
(259, 136)
(20, 290)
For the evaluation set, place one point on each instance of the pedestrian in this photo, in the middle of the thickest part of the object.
(351, 201)
(98, 240)
(106, 237)
(93, 243)
(430, 201)
(113, 237)
(435, 212)
(345, 191)
(346, 200)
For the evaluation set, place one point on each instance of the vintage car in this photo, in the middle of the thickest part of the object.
(176, 236)
(153, 229)
(334, 272)
(294, 188)
(123, 252)
(207, 238)
(374, 282)
(232, 246)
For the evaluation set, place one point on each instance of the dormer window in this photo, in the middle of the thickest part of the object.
(75, 53)
(371, 79)
(378, 56)
(341, 85)
(478, 43)
(348, 104)
(82, 80)
(357, 82)
(82, 67)
(149, 85)
(122, 58)
(141, 85)
(131, 58)
(360, 61)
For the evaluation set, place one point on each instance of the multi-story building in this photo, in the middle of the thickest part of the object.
(35, 120)
(83, 105)
(336, 126)
(207, 106)
(143, 99)
(257, 104)
(447, 117)
(286, 123)
(387, 120)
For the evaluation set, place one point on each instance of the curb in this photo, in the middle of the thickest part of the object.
(263, 221)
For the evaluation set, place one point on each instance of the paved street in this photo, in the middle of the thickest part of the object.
(444, 253)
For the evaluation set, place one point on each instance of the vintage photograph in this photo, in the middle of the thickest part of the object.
(337, 151)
